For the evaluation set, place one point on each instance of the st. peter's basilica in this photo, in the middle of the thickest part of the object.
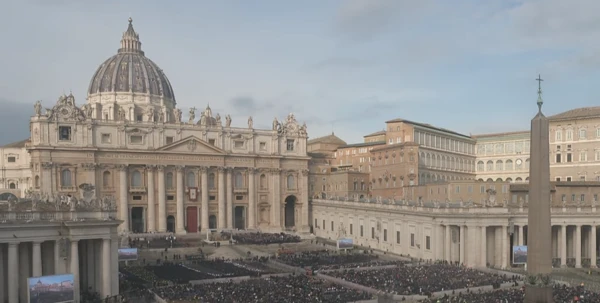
(129, 142)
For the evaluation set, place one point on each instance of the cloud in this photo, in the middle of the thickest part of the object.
(14, 121)
(247, 105)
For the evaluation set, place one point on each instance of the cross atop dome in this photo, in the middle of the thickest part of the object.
(130, 43)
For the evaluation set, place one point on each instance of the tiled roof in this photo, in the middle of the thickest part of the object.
(522, 132)
(381, 132)
(425, 125)
(578, 113)
(363, 144)
(391, 146)
(333, 139)
(18, 144)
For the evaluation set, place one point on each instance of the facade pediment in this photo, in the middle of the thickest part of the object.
(192, 145)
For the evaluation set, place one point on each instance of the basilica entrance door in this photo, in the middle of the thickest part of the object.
(192, 219)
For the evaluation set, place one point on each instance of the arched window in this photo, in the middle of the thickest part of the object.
(106, 179)
(489, 165)
(37, 181)
(291, 182)
(169, 180)
(480, 166)
(508, 165)
(191, 179)
(12, 185)
(211, 181)
(263, 181)
(136, 178)
(499, 165)
(239, 180)
(65, 178)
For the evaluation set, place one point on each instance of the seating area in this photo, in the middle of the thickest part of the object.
(327, 260)
(259, 238)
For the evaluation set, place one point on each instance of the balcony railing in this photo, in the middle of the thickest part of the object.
(240, 190)
(137, 189)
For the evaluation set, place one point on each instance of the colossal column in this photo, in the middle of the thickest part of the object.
(221, 195)
(462, 245)
(204, 206)
(521, 235)
(563, 246)
(539, 228)
(578, 246)
(13, 269)
(74, 267)
(447, 247)
(505, 247)
(230, 198)
(36, 257)
(251, 198)
(304, 194)
(593, 245)
(180, 196)
(162, 204)
(276, 199)
(46, 178)
(484, 246)
(123, 195)
(106, 278)
(151, 199)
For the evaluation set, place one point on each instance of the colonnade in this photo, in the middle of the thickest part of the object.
(93, 262)
(482, 245)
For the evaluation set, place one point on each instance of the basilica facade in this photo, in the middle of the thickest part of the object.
(131, 142)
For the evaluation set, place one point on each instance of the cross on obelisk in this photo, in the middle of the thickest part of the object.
(539, 230)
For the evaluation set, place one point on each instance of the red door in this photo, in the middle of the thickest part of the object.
(192, 219)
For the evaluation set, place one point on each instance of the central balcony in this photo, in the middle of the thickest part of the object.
(137, 189)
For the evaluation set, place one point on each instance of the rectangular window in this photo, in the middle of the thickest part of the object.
(563, 198)
(238, 144)
(582, 198)
(597, 155)
(324, 228)
(427, 242)
(64, 133)
(558, 158)
(595, 197)
(372, 232)
(361, 231)
(12, 159)
(239, 198)
(169, 140)
(558, 135)
(136, 198)
(385, 235)
(212, 198)
(262, 146)
(290, 145)
(170, 197)
(569, 158)
(398, 237)
(581, 178)
(470, 188)
(482, 189)
(582, 156)
(573, 198)
(136, 139)
(351, 229)
(457, 190)
(412, 240)
(557, 179)
(331, 225)
(105, 138)
(568, 179)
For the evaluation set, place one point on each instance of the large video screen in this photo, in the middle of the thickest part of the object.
(519, 254)
(51, 289)
(345, 243)
(128, 254)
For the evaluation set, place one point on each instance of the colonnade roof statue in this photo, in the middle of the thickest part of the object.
(539, 232)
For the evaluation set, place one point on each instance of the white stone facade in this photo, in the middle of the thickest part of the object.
(15, 169)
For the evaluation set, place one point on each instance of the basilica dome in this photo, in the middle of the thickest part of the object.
(130, 73)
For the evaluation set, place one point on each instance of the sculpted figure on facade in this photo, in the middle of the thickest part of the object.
(228, 121)
(177, 114)
(150, 114)
(275, 124)
(218, 120)
(122, 115)
(250, 122)
(38, 108)
(161, 116)
(192, 115)
(203, 118)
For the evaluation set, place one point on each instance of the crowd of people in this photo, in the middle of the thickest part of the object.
(261, 238)
(562, 294)
(327, 259)
(289, 289)
(422, 279)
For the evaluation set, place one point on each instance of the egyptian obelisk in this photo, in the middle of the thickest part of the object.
(539, 260)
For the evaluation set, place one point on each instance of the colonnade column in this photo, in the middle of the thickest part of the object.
(221, 196)
(13, 270)
(521, 235)
(162, 204)
(593, 245)
(180, 229)
(229, 197)
(484, 246)
(36, 261)
(151, 199)
(304, 194)
(204, 205)
(276, 202)
(563, 246)
(505, 249)
(251, 198)
(578, 246)
(462, 245)
(106, 279)
(74, 267)
(3, 275)
(447, 248)
(123, 195)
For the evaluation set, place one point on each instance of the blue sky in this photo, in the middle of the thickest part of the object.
(345, 66)
(51, 279)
